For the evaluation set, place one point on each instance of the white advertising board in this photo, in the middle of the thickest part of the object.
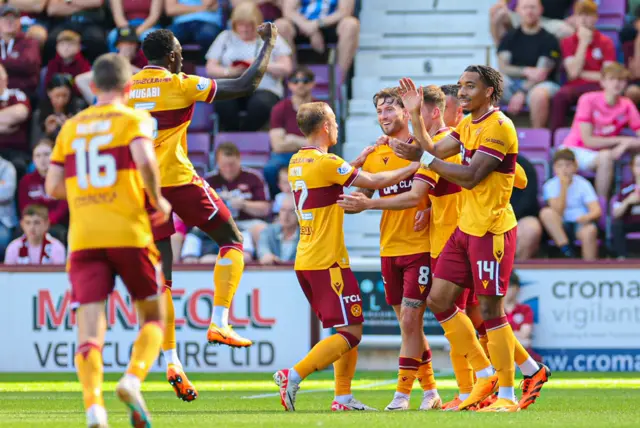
(39, 328)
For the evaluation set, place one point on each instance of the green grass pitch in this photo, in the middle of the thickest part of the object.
(250, 400)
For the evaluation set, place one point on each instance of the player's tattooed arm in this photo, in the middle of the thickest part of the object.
(412, 303)
(467, 176)
(248, 82)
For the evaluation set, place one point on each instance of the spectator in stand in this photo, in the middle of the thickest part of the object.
(54, 109)
(142, 15)
(573, 208)
(68, 60)
(8, 219)
(626, 211)
(231, 54)
(319, 22)
(279, 241)
(177, 239)
(31, 192)
(453, 112)
(286, 138)
(127, 45)
(526, 207)
(35, 246)
(285, 189)
(195, 21)
(519, 315)
(270, 9)
(584, 55)
(86, 17)
(528, 56)
(555, 18)
(595, 136)
(243, 190)
(630, 40)
(32, 20)
(14, 125)
(19, 54)
(198, 247)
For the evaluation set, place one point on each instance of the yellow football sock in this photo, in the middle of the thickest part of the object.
(407, 373)
(461, 335)
(426, 377)
(463, 373)
(501, 347)
(484, 342)
(227, 274)
(325, 352)
(145, 349)
(88, 360)
(343, 371)
(169, 341)
(520, 354)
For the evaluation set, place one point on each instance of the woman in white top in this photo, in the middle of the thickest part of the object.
(231, 54)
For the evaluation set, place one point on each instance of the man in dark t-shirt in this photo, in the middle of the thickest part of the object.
(526, 207)
(555, 18)
(528, 57)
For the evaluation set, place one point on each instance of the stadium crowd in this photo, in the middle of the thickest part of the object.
(556, 65)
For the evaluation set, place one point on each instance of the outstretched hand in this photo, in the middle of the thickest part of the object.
(404, 150)
(268, 32)
(411, 96)
(354, 203)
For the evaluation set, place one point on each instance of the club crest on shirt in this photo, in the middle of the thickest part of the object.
(344, 169)
(596, 53)
(203, 84)
(518, 318)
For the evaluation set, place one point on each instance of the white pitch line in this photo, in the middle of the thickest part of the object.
(310, 391)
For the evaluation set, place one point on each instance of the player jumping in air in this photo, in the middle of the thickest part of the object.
(483, 245)
(405, 259)
(170, 96)
(317, 179)
(101, 160)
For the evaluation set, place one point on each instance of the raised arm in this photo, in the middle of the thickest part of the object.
(248, 82)
(358, 201)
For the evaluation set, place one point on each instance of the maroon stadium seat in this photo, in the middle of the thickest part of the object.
(254, 146)
(535, 145)
(199, 146)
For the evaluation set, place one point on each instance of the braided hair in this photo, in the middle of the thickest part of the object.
(491, 78)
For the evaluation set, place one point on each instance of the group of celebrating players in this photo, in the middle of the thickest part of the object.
(447, 231)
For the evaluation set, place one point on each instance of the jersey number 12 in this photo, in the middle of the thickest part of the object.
(301, 186)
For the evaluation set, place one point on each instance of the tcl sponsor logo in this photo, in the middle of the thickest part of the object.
(354, 298)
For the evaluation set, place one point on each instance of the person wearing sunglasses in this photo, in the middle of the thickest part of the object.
(286, 138)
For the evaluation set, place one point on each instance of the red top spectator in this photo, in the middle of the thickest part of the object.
(19, 55)
(31, 187)
(68, 59)
(520, 316)
(14, 112)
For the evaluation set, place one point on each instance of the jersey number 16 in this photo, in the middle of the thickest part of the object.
(92, 167)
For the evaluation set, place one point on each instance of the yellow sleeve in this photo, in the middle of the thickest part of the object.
(198, 88)
(521, 180)
(338, 171)
(58, 154)
(499, 140)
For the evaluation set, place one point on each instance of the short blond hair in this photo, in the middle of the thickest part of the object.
(246, 11)
(432, 94)
(616, 71)
(586, 7)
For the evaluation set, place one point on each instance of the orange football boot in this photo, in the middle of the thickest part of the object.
(180, 383)
(484, 387)
(532, 385)
(226, 336)
(453, 404)
(488, 401)
(501, 405)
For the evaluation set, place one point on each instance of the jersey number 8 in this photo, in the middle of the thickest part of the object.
(100, 167)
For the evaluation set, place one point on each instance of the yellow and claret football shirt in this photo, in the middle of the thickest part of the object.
(397, 237)
(171, 99)
(445, 200)
(104, 188)
(317, 180)
(486, 208)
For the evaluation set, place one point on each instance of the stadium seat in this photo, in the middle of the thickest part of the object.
(254, 146)
(611, 14)
(202, 120)
(199, 146)
(535, 145)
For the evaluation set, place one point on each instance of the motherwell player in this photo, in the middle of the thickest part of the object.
(405, 259)
(170, 97)
(317, 179)
(483, 245)
(101, 160)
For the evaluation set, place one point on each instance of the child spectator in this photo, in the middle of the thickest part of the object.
(519, 315)
(177, 239)
(8, 219)
(584, 54)
(626, 211)
(31, 191)
(279, 241)
(600, 118)
(284, 187)
(36, 246)
(68, 57)
(573, 207)
(243, 190)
